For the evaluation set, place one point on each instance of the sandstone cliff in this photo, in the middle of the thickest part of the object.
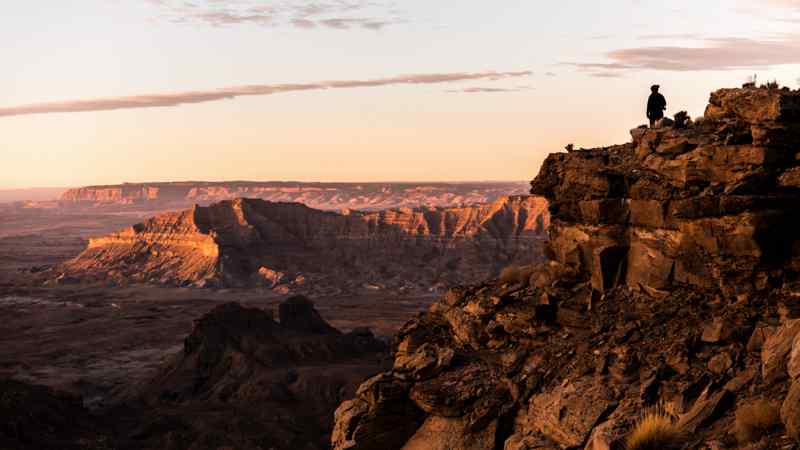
(248, 242)
(327, 196)
(672, 282)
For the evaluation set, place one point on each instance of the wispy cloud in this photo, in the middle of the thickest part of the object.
(607, 74)
(714, 54)
(188, 97)
(488, 90)
(332, 14)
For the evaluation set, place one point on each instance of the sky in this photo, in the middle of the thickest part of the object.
(112, 91)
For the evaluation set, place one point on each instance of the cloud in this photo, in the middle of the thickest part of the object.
(188, 97)
(485, 90)
(332, 14)
(607, 74)
(716, 54)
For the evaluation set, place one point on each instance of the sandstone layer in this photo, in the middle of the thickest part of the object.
(672, 284)
(327, 196)
(250, 242)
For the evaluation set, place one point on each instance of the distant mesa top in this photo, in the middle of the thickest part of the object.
(327, 196)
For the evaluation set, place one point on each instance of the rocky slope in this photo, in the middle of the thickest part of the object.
(327, 196)
(249, 242)
(672, 284)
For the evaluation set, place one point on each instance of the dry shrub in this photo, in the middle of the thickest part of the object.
(755, 419)
(516, 274)
(655, 430)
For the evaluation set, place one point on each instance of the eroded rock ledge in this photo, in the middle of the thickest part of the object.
(672, 281)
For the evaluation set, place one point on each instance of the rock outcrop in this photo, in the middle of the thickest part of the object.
(246, 381)
(672, 283)
(709, 206)
(326, 196)
(247, 242)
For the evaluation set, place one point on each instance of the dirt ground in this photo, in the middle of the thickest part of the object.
(92, 340)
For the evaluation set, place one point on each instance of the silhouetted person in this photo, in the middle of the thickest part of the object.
(656, 105)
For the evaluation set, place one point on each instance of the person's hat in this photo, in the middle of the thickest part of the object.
(655, 86)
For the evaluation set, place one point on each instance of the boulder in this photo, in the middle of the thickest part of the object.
(380, 417)
(790, 411)
(446, 433)
(568, 414)
(776, 349)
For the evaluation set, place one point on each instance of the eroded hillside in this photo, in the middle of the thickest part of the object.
(250, 242)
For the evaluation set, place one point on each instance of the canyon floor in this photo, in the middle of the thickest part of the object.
(92, 339)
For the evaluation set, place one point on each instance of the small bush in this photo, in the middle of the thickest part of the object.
(516, 274)
(655, 430)
(755, 419)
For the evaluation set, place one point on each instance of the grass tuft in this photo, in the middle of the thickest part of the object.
(655, 430)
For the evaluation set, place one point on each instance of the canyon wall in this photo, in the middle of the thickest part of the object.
(246, 242)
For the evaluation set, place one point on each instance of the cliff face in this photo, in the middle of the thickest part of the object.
(672, 284)
(327, 196)
(711, 206)
(248, 241)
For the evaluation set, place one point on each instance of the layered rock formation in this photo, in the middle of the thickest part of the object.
(246, 381)
(327, 196)
(247, 242)
(709, 206)
(672, 283)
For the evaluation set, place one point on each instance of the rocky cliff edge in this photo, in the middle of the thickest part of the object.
(671, 287)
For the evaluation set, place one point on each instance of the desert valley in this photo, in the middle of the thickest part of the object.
(400, 225)
(102, 286)
(658, 273)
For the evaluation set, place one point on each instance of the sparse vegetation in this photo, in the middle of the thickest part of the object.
(569, 148)
(771, 85)
(655, 430)
(516, 274)
(755, 419)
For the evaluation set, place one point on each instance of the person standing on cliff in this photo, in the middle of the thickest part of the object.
(656, 105)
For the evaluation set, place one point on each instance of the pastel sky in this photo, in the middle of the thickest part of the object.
(111, 91)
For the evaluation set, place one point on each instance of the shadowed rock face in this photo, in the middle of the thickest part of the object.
(36, 417)
(249, 242)
(248, 382)
(243, 380)
(326, 196)
(672, 281)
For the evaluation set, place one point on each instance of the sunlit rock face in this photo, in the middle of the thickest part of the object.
(248, 242)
